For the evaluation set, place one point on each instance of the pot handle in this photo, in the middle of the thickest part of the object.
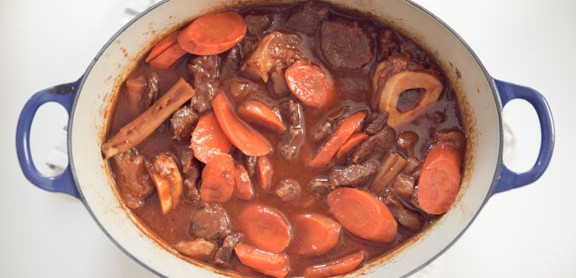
(63, 94)
(508, 179)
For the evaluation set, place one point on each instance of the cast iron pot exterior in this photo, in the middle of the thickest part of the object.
(89, 100)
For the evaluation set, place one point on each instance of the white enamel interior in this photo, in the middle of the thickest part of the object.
(89, 119)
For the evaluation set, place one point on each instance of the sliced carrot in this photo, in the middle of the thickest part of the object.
(167, 58)
(213, 34)
(439, 180)
(246, 139)
(311, 84)
(257, 112)
(265, 172)
(273, 264)
(265, 227)
(243, 189)
(351, 143)
(208, 139)
(161, 46)
(337, 267)
(314, 234)
(340, 136)
(362, 214)
(218, 179)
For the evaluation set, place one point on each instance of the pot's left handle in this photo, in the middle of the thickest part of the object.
(509, 179)
(64, 95)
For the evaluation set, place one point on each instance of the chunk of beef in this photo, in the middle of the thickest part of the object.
(224, 253)
(291, 142)
(204, 70)
(182, 123)
(239, 89)
(308, 18)
(258, 24)
(416, 53)
(278, 83)
(406, 217)
(377, 123)
(403, 186)
(353, 175)
(345, 45)
(293, 138)
(407, 142)
(231, 63)
(374, 145)
(210, 222)
(320, 185)
(199, 248)
(141, 92)
(387, 43)
(133, 181)
(412, 166)
(191, 174)
(288, 190)
(274, 51)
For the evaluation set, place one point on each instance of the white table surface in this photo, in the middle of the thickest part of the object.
(527, 232)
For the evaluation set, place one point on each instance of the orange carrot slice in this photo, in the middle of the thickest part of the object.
(213, 34)
(351, 143)
(337, 267)
(311, 84)
(218, 179)
(439, 180)
(244, 189)
(265, 227)
(265, 172)
(314, 234)
(208, 139)
(162, 46)
(246, 139)
(340, 136)
(257, 112)
(273, 264)
(362, 214)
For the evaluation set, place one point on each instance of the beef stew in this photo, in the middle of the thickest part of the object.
(311, 142)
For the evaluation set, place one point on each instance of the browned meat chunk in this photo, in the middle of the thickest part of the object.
(377, 123)
(134, 183)
(308, 18)
(406, 217)
(293, 138)
(387, 43)
(345, 45)
(142, 91)
(320, 185)
(190, 173)
(291, 142)
(231, 63)
(278, 86)
(210, 222)
(239, 89)
(412, 166)
(204, 70)
(288, 190)
(257, 24)
(392, 166)
(374, 145)
(353, 175)
(182, 123)
(274, 51)
(415, 52)
(200, 249)
(224, 253)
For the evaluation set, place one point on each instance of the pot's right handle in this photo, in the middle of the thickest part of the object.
(508, 179)
(64, 95)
